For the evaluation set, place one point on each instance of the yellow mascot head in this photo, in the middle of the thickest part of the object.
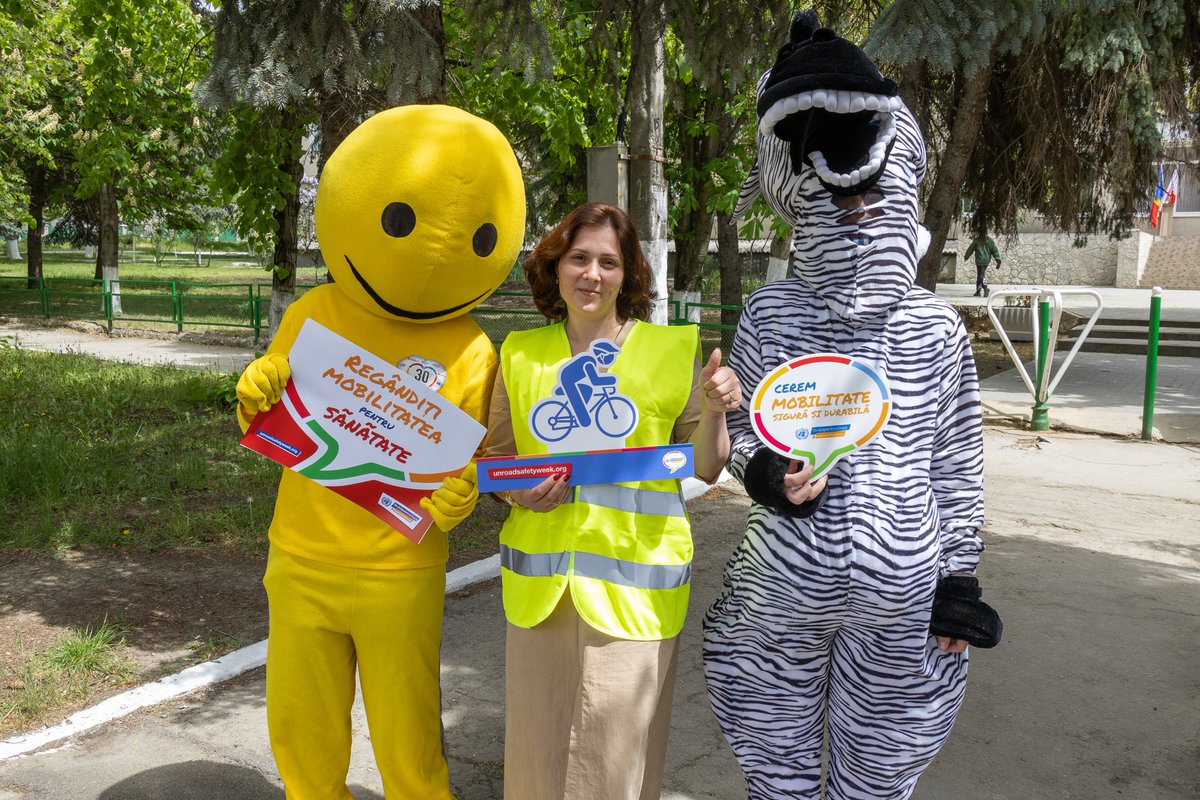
(421, 212)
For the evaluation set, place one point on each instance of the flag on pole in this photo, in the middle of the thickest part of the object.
(1159, 195)
(1172, 189)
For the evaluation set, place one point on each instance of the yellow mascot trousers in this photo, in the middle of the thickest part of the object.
(324, 621)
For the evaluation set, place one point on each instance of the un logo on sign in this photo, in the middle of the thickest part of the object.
(802, 433)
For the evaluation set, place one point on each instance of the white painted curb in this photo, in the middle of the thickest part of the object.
(189, 680)
(230, 665)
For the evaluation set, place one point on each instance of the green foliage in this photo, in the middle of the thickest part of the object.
(144, 132)
(158, 444)
(1076, 97)
(247, 174)
(959, 36)
(563, 101)
(270, 55)
(39, 67)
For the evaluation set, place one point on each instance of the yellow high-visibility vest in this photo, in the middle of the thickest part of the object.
(624, 549)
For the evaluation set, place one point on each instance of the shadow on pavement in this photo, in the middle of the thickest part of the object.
(195, 780)
(204, 780)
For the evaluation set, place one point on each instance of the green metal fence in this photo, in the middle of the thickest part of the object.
(178, 303)
(246, 305)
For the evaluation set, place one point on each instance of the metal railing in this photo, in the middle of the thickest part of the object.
(185, 304)
(178, 303)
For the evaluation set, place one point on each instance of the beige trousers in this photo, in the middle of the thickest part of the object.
(586, 715)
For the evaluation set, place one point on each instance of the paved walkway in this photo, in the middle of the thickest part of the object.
(1103, 392)
(1093, 560)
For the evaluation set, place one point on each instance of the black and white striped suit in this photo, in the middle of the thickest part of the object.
(822, 625)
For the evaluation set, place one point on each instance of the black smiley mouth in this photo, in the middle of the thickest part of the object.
(403, 312)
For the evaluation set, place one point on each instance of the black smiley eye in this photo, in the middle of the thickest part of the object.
(398, 220)
(484, 240)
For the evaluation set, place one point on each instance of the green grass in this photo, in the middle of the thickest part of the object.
(101, 454)
(80, 652)
(139, 265)
(71, 668)
(207, 649)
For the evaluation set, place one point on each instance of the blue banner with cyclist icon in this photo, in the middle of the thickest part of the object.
(584, 423)
(597, 466)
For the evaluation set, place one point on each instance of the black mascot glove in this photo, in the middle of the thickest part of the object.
(960, 614)
(764, 483)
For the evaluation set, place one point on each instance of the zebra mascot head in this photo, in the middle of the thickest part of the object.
(840, 158)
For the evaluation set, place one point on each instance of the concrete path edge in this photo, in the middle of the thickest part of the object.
(232, 664)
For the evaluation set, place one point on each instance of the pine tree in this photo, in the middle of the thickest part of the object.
(1041, 106)
(289, 65)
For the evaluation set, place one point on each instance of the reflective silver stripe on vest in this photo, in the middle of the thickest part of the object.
(590, 565)
(534, 565)
(629, 573)
(633, 501)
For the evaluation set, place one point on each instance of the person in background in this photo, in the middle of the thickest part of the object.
(984, 248)
(596, 577)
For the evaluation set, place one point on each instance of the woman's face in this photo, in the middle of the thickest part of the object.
(590, 273)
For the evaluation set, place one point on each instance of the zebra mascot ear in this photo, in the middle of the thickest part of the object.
(831, 104)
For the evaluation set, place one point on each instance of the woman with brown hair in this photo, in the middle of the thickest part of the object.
(596, 577)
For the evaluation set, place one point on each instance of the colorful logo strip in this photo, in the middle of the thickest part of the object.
(819, 408)
(593, 466)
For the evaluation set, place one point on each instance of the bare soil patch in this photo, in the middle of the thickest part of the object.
(178, 607)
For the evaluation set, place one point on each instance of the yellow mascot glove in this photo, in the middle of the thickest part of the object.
(454, 500)
(261, 385)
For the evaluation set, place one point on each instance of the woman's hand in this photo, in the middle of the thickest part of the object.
(948, 645)
(797, 486)
(546, 496)
(721, 389)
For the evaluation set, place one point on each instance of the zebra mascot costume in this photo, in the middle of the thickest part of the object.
(829, 610)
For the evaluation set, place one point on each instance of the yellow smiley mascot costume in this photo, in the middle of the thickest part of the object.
(420, 216)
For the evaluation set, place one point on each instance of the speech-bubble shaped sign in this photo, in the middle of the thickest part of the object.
(819, 408)
(674, 460)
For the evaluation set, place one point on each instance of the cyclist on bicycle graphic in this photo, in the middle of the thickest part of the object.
(591, 399)
(580, 377)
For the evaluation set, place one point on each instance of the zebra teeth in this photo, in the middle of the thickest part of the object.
(875, 156)
(771, 118)
(833, 101)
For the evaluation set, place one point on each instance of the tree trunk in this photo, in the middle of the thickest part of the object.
(694, 229)
(945, 198)
(647, 185)
(107, 255)
(731, 275)
(283, 276)
(430, 16)
(38, 193)
(695, 225)
(780, 259)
